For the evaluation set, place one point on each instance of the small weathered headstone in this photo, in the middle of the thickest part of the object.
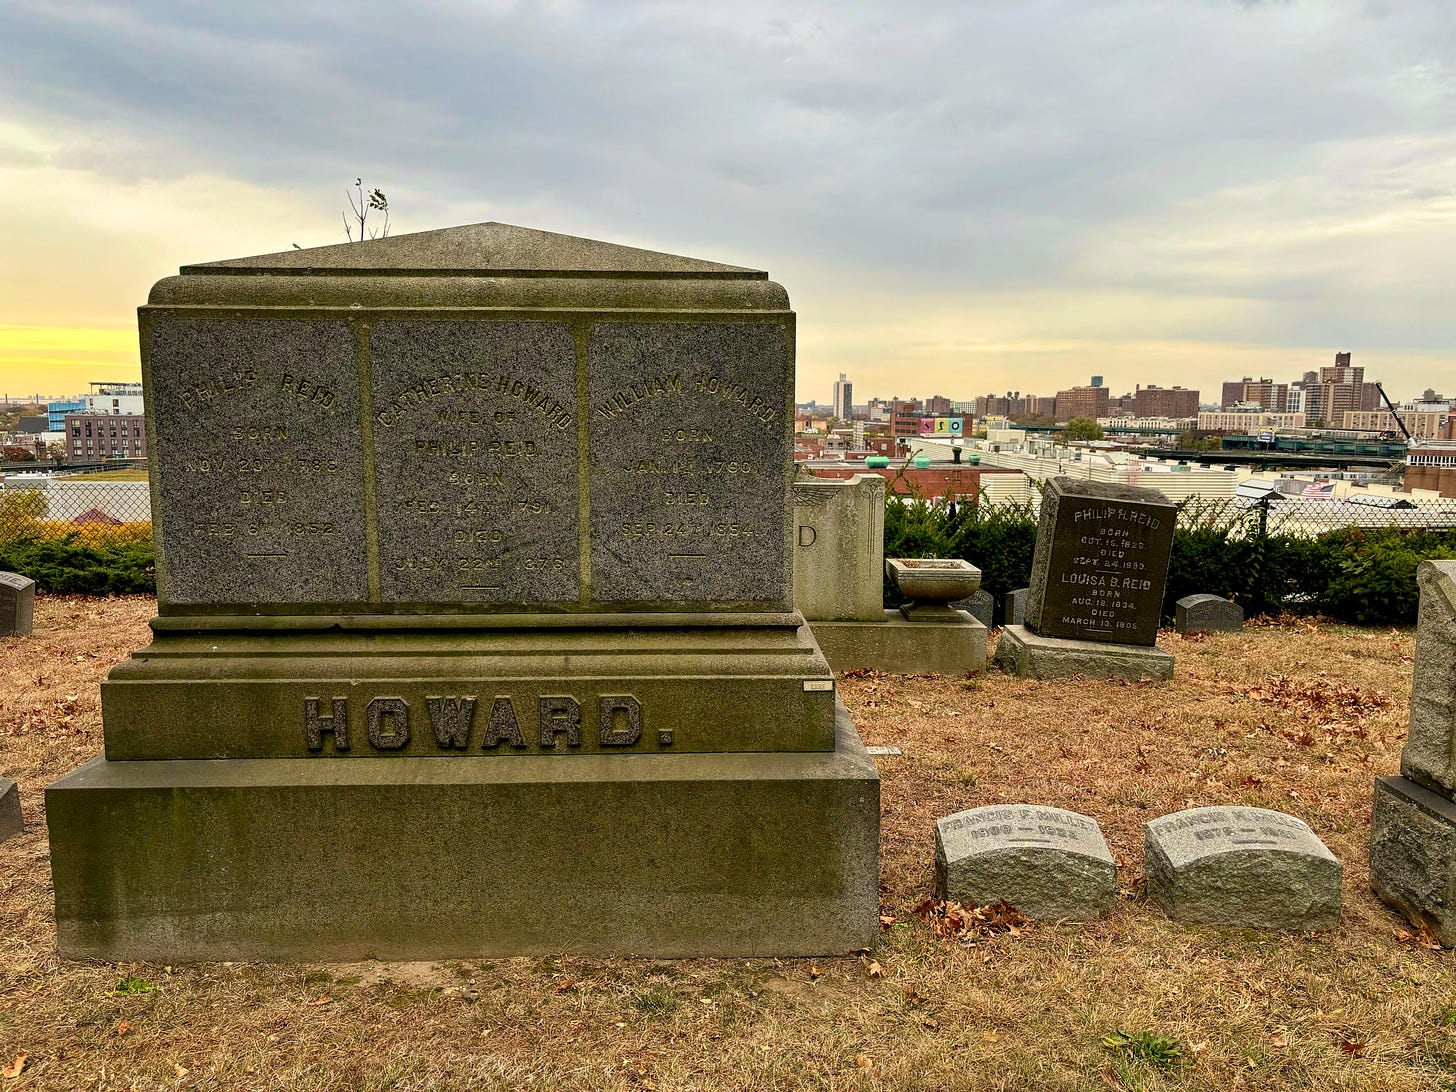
(1413, 825)
(1016, 606)
(1205, 613)
(1242, 866)
(17, 605)
(10, 820)
(981, 607)
(1049, 863)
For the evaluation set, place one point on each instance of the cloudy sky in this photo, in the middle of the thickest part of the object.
(959, 197)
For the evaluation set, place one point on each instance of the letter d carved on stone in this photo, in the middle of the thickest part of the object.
(630, 710)
(314, 726)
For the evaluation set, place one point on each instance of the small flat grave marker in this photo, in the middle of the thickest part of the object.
(1049, 863)
(1242, 866)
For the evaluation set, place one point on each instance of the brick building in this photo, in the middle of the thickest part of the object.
(106, 436)
(1265, 393)
(1154, 401)
(1081, 402)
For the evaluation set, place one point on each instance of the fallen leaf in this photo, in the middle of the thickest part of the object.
(12, 1070)
(874, 970)
(569, 984)
(1354, 1047)
(123, 1027)
(815, 972)
(887, 920)
(862, 1061)
(180, 1070)
(321, 999)
(1278, 1040)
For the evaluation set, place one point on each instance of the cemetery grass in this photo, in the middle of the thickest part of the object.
(1297, 716)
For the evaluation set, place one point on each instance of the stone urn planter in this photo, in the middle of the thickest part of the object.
(932, 584)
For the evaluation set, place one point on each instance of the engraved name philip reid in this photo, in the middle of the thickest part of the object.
(557, 725)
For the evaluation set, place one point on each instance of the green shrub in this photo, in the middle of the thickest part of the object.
(112, 561)
(1355, 575)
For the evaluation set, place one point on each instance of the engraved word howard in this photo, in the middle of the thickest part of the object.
(558, 719)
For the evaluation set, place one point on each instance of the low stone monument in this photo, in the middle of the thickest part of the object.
(839, 571)
(1097, 580)
(1205, 613)
(475, 628)
(1242, 866)
(11, 821)
(17, 605)
(1413, 826)
(1049, 863)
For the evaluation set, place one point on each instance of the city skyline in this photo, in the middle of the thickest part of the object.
(968, 198)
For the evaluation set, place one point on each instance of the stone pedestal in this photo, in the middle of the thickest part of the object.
(476, 629)
(839, 548)
(1413, 825)
(730, 854)
(902, 647)
(1030, 655)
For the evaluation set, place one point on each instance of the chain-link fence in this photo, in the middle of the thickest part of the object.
(86, 533)
(1283, 514)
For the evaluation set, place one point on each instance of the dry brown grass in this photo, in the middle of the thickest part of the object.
(1295, 717)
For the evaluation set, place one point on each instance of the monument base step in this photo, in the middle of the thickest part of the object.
(903, 647)
(1413, 854)
(765, 854)
(1032, 656)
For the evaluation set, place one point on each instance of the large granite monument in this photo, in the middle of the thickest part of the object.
(1097, 581)
(1413, 826)
(475, 626)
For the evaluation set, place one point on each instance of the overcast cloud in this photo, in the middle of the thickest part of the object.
(959, 196)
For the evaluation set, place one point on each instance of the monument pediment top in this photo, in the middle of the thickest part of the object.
(480, 250)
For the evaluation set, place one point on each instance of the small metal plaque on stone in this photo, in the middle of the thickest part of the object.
(1049, 863)
(689, 463)
(475, 463)
(256, 431)
(1101, 562)
(1242, 866)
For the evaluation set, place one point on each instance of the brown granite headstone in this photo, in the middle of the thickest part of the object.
(1101, 562)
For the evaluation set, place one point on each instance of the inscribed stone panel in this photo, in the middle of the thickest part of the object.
(259, 461)
(690, 463)
(475, 462)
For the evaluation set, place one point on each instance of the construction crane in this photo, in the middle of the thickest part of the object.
(1391, 406)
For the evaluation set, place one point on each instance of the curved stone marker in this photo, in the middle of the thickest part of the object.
(1049, 863)
(1242, 866)
(1204, 613)
(10, 820)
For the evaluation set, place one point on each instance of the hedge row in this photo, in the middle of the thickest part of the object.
(1361, 575)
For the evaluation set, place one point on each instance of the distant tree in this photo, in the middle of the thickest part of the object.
(362, 203)
(1082, 428)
